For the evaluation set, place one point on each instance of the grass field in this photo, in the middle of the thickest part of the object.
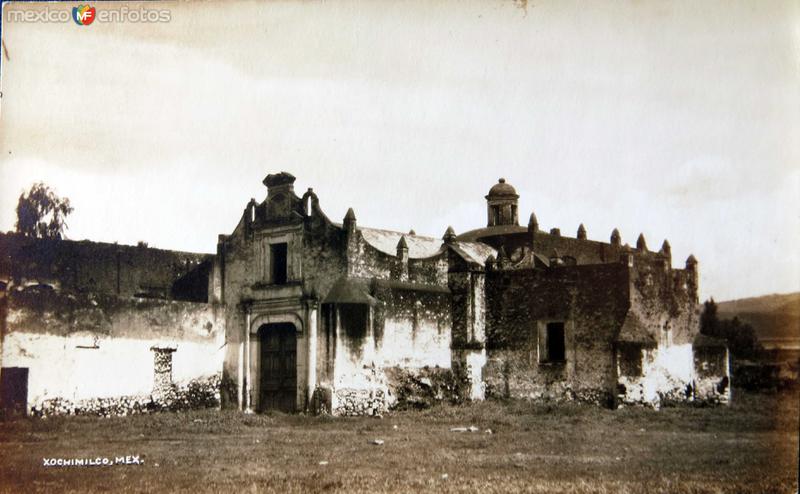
(750, 447)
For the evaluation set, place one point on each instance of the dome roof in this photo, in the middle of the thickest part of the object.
(502, 189)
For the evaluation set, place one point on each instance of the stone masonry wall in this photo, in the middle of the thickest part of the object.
(96, 267)
(521, 302)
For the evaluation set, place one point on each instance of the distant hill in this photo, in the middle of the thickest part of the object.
(774, 317)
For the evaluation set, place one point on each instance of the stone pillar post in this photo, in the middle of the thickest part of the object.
(311, 335)
(247, 371)
(337, 331)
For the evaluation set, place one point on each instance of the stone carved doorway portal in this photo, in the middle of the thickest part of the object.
(278, 376)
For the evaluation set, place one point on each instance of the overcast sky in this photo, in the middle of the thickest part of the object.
(676, 119)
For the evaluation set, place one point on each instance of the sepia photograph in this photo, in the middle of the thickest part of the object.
(400, 246)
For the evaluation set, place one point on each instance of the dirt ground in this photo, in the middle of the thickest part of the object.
(750, 447)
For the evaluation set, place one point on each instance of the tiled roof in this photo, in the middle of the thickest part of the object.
(474, 251)
(350, 291)
(386, 241)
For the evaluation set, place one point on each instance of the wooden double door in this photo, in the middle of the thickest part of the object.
(278, 377)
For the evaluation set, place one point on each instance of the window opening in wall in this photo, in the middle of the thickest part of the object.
(555, 346)
(496, 214)
(279, 266)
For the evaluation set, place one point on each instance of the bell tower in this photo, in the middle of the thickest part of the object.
(501, 204)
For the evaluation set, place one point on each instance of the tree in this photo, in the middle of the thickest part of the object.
(41, 213)
(709, 319)
(741, 337)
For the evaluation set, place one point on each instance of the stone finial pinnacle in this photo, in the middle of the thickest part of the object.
(402, 244)
(691, 261)
(665, 247)
(640, 242)
(412, 232)
(616, 238)
(581, 232)
(533, 223)
(350, 216)
(449, 234)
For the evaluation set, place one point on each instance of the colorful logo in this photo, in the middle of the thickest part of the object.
(83, 15)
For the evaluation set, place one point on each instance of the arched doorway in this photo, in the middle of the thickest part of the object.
(278, 376)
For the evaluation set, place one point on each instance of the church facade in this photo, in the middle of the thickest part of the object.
(298, 312)
(324, 313)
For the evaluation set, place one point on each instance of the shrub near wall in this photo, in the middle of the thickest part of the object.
(425, 387)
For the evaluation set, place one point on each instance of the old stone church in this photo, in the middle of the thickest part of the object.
(296, 312)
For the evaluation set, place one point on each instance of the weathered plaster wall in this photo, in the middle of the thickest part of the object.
(667, 374)
(412, 328)
(80, 347)
(407, 329)
(324, 256)
(712, 372)
(664, 302)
